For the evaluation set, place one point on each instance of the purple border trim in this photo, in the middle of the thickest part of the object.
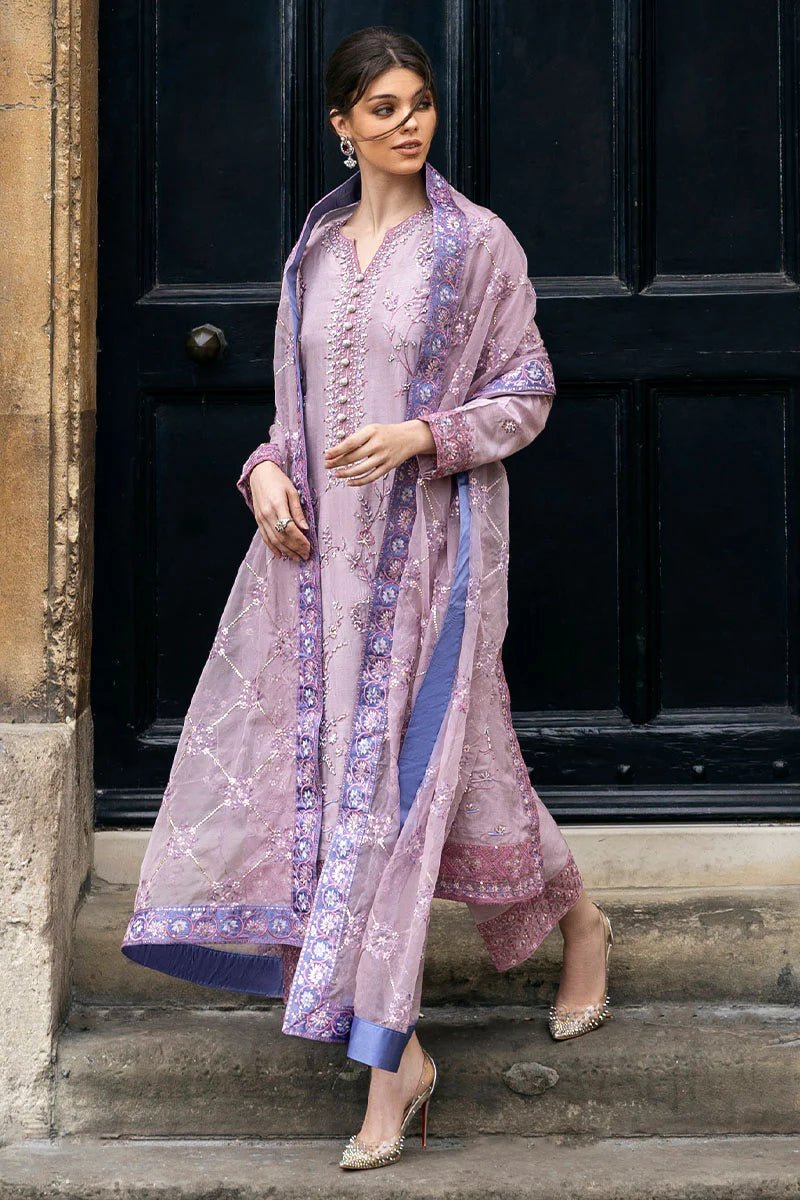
(209, 923)
(536, 375)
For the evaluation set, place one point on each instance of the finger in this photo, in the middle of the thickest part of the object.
(297, 541)
(276, 541)
(367, 464)
(373, 475)
(265, 518)
(271, 539)
(350, 445)
(296, 509)
(291, 540)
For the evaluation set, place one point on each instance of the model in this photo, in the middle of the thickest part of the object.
(348, 753)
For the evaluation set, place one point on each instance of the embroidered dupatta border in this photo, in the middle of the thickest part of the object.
(307, 1012)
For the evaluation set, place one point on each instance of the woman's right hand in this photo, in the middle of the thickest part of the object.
(275, 496)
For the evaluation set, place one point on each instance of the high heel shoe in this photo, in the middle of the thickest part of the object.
(569, 1023)
(358, 1155)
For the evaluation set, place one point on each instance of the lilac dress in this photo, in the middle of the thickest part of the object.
(349, 752)
(360, 336)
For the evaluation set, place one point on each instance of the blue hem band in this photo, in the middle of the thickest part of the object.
(433, 696)
(376, 1045)
(260, 974)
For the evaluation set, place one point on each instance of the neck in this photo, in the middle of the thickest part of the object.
(387, 198)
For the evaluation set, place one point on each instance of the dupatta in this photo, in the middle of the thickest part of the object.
(232, 891)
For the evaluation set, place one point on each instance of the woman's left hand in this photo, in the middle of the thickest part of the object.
(377, 449)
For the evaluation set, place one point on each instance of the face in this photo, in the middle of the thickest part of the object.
(384, 104)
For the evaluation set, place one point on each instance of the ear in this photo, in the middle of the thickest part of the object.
(337, 122)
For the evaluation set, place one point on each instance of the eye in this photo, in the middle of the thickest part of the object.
(385, 109)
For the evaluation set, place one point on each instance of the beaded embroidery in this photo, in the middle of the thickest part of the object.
(349, 320)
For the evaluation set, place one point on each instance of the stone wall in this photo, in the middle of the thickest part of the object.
(48, 167)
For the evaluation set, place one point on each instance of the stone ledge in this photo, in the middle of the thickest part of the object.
(667, 1069)
(683, 854)
(676, 944)
(478, 1168)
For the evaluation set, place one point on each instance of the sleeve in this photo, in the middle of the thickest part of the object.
(511, 394)
(275, 449)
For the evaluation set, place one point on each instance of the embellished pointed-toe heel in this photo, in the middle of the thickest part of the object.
(569, 1022)
(358, 1156)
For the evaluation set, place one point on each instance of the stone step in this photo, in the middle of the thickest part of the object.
(667, 1069)
(476, 1168)
(677, 944)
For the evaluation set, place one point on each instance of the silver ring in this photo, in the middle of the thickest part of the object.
(281, 524)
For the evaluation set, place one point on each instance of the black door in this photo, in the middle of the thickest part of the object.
(646, 157)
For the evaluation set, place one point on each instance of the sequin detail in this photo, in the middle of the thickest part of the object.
(515, 935)
(349, 322)
(484, 874)
(454, 440)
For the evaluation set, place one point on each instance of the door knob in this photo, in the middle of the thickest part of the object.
(205, 342)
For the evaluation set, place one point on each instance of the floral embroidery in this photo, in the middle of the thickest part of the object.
(536, 375)
(380, 940)
(347, 328)
(182, 840)
(516, 934)
(455, 445)
(471, 871)
(213, 923)
(238, 793)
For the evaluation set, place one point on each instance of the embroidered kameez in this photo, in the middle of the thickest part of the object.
(349, 753)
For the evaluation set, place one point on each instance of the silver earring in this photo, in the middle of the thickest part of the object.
(347, 148)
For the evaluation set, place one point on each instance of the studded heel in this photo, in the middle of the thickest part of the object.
(358, 1156)
(566, 1022)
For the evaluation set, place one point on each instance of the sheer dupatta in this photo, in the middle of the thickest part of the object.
(233, 863)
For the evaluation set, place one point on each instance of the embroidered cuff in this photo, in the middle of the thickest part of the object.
(455, 444)
(263, 453)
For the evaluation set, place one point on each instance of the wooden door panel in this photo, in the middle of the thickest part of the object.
(722, 570)
(215, 123)
(646, 157)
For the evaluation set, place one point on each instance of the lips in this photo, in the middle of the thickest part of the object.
(407, 145)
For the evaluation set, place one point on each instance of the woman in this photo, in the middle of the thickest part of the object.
(348, 753)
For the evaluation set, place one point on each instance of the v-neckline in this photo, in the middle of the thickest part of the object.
(384, 240)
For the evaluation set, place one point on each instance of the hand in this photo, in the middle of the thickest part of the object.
(377, 449)
(274, 496)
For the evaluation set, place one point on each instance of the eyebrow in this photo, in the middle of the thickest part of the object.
(390, 95)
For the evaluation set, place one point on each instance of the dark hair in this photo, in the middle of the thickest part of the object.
(363, 55)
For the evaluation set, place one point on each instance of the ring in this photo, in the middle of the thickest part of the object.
(281, 524)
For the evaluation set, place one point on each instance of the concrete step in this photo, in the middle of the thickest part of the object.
(664, 1069)
(677, 944)
(477, 1168)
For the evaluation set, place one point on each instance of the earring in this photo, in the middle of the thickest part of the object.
(347, 148)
